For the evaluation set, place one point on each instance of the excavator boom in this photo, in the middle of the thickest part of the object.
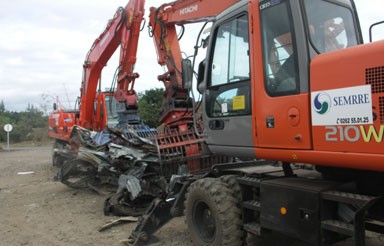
(163, 22)
(122, 30)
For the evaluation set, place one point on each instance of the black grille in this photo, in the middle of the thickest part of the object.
(374, 76)
(381, 105)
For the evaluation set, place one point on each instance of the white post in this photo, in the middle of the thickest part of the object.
(8, 128)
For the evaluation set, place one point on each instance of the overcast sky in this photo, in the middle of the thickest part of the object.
(43, 44)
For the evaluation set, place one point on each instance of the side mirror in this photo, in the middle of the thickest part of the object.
(200, 77)
(370, 29)
(205, 42)
(54, 106)
(186, 73)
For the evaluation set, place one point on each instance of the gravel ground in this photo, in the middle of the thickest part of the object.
(35, 210)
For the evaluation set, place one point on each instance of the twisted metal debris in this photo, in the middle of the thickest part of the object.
(138, 169)
(130, 166)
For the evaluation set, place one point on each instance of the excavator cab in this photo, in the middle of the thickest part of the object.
(257, 72)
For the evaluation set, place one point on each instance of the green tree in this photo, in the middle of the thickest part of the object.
(150, 106)
(2, 107)
(31, 124)
(4, 119)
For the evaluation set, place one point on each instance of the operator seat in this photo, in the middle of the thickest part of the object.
(285, 77)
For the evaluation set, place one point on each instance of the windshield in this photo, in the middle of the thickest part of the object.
(330, 26)
(110, 104)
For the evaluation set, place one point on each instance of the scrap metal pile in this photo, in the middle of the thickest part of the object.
(137, 169)
(109, 159)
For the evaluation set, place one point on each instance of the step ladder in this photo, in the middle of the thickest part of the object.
(251, 205)
(355, 228)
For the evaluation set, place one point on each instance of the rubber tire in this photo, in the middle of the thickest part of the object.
(231, 181)
(215, 195)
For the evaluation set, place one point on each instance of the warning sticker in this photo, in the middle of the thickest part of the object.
(238, 102)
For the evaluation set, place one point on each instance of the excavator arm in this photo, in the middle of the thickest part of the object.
(179, 140)
(122, 30)
(162, 23)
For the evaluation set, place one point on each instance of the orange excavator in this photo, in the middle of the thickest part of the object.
(116, 107)
(123, 30)
(292, 94)
(289, 141)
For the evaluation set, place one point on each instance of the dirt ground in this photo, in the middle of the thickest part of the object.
(35, 210)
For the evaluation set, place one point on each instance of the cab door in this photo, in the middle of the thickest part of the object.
(281, 97)
(227, 97)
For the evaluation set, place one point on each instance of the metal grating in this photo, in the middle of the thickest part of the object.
(374, 76)
(381, 105)
(177, 148)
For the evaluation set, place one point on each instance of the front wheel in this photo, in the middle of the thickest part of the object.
(212, 215)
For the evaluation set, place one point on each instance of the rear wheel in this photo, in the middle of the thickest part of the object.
(212, 215)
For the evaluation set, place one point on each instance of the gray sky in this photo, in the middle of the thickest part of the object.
(43, 44)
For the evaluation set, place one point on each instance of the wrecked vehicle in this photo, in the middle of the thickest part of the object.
(136, 169)
(131, 167)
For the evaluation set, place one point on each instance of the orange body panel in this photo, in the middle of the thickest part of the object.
(361, 65)
(60, 124)
(192, 11)
(326, 158)
(289, 132)
(346, 67)
(355, 146)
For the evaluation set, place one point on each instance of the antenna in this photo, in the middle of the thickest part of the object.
(66, 94)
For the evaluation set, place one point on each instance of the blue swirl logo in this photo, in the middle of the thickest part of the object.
(322, 103)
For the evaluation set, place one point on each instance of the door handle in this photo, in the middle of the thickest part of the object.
(216, 124)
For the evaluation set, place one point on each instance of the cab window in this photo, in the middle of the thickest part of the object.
(330, 26)
(279, 50)
(229, 76)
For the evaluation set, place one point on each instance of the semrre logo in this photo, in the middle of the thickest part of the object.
(322, 103)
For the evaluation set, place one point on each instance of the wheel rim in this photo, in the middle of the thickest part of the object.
(204, 221)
